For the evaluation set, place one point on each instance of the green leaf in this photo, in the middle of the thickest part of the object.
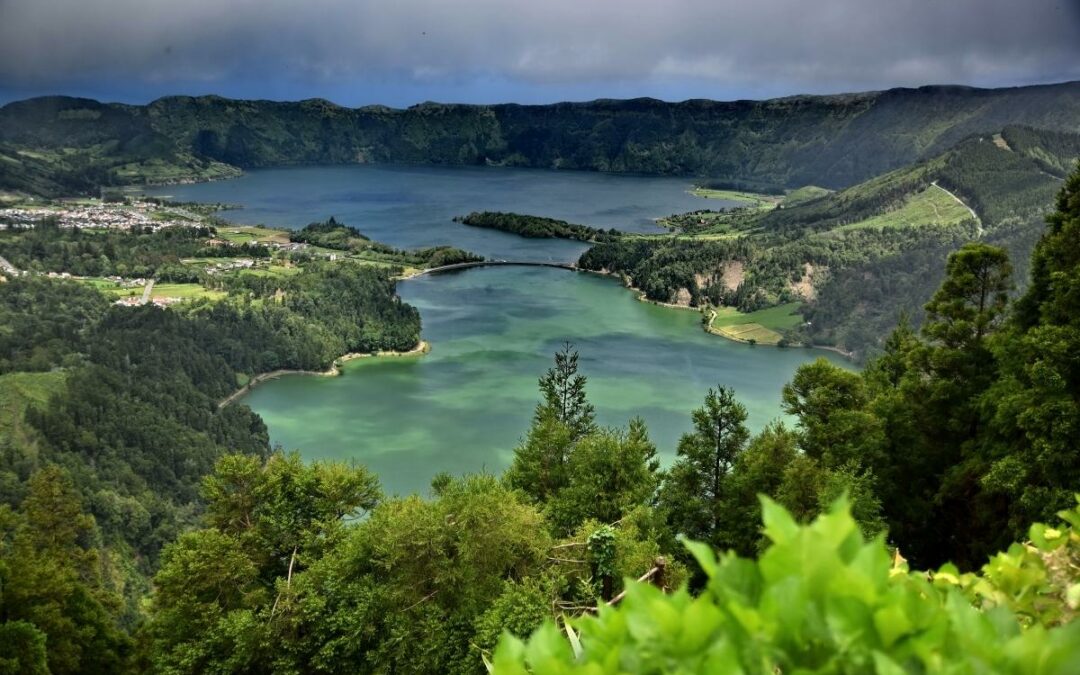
(884, 665)
(891, 623)
(780, 527)
(702, 553)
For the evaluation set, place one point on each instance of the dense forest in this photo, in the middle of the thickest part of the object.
(60, 145)
(537, 227)
(145, 528)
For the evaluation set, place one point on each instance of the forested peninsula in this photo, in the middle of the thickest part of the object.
(537, 227)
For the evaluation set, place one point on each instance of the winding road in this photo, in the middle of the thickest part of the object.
(6, 266)
(978, 221)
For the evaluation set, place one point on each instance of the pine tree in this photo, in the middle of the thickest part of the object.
(1036, 403)
(694, 490)
(564, 394)
(562, 418)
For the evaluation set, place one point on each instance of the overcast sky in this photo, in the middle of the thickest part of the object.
(401, 52)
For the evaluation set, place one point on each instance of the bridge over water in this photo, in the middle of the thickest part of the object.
(494, 263)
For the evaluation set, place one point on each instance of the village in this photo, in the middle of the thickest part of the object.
(152, 216)
(94, 214)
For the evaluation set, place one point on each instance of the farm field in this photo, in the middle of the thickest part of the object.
(761, 327)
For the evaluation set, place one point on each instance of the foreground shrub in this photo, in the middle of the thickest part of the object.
(823, 599)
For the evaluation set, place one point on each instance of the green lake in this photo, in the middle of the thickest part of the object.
(464, 406)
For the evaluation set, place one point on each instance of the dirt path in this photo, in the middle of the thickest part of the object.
(6, 266)
(978, 222)
(147, 290)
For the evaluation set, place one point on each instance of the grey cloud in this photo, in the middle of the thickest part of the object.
(802, 45)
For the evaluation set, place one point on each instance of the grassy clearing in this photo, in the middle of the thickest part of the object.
(746, 198)
(930, 207)
(271, 271)
(18, 391)
(781, 317)
(750, 332)
(245, 234)
(764, 326)
(109, 287)
(182, 291)
(804, 194)
(159, 171)
(185, 292)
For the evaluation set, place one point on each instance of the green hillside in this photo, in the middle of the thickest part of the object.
(860, 257)
(831, 141)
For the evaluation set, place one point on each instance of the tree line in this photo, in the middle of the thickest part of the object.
(536, 227)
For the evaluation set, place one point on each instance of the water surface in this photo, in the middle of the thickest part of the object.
(464, 406)
(413, 206)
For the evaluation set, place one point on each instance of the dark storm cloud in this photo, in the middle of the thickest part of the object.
(555, 46)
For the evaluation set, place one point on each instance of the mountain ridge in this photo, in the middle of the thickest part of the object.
(832, 140)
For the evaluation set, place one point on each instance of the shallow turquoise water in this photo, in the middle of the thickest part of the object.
(463, 407)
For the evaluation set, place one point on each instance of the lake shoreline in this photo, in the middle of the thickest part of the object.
(707, 326)
(421, 348)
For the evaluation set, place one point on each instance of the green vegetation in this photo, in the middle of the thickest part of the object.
(58, 145)
(185, 292)
(145, 527)
(248, 234)
(942, 449)
(932, 206)
(704, 223)
(1001, 151)
(751, 199)
(23, 389)
(765, 326)
(19, 391)
(821, 598)
(857, 259)
(124, 253)
(334, 236)
(199, 261)
(804, 194)
(536, 227)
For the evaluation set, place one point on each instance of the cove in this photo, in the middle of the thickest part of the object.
(464, 406)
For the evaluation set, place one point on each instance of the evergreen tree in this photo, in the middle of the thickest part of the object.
(562, 418)
(609, 473)
(55, 585)
(1035, 455)
(831, 404)
(924, 399)
(563, 390)
(760, 469)
(539, 466)
(694, 490)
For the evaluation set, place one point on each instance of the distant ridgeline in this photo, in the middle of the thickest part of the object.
(59, 145)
